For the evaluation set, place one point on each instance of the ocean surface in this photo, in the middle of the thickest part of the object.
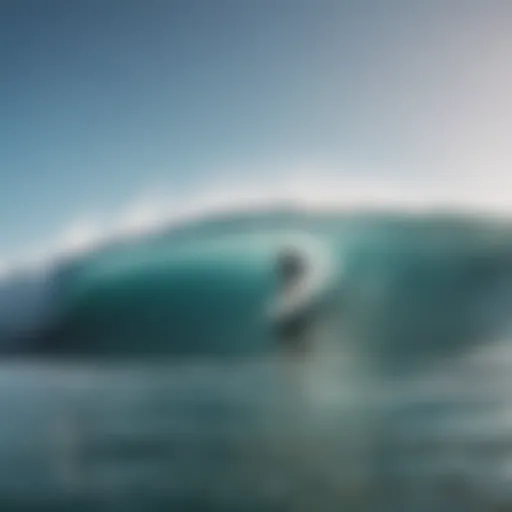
(144, 374)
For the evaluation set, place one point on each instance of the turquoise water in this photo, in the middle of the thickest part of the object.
(170, 393)
(238, 436)
(404, 288)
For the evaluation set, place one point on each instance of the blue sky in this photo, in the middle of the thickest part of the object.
(106, 101)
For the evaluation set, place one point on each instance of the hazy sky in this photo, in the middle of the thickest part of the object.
(103, 102)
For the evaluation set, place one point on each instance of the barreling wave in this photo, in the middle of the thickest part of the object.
(410, 287)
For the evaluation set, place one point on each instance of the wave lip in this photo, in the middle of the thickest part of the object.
(297, 193)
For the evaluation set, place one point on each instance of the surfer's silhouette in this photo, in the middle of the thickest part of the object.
(294, 315)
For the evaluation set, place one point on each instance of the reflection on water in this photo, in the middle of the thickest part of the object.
(245, 436)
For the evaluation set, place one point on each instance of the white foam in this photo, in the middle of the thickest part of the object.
(312, 191)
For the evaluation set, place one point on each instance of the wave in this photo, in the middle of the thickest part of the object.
(317, 192)
(408, 288)
(409, 291)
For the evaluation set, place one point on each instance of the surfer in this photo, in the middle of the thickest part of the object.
(295, 314)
